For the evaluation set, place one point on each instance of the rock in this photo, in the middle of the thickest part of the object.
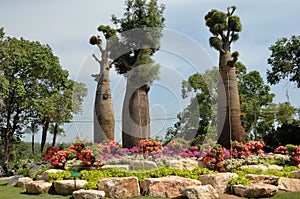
(120, 187)
(167, 187)
(45, 174)
(260, 166)
(266, 179)
(289, 184)
(116, 166)
(67, 187)
(275, 167)
(88, 194)
(219, 181)
(13, 180)
(22, 181)
(37, 187)
(142, 165)
(34, 169)
(200, 192)
(255, 190)
(296, 174)
(185, 164)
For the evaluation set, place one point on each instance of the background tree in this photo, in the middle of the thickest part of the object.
(37, 89)
(105, 123)
(199, 117)
(284, 61)
(254, 96)
(139, 30)
(225, 28)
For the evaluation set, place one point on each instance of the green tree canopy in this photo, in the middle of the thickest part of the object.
(285, 61)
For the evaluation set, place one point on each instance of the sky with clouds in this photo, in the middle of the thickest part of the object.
(67, 25)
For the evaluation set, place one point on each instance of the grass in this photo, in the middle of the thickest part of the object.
(19, 193)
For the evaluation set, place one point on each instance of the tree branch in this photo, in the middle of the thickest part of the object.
(96, 58)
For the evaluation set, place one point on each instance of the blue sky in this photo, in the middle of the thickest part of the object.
(67, 25)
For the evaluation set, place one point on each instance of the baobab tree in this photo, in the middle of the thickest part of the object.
(104, 113)
(225, 28)
(140, 31)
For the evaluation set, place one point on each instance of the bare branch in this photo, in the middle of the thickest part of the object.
(96, 58)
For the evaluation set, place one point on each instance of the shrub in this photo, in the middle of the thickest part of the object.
(238, 180)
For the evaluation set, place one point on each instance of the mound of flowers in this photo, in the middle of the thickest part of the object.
(211, 154)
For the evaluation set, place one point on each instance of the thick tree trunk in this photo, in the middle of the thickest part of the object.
(104, 125)
(7, 146)
(135, 115)
(229, 121)
(44, 135)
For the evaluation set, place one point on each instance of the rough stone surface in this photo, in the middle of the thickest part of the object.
(255, 190)
(275, 167)
(116, 166)
(219, 181)
(13, 180)
(37, 187)
(67, 187)
(120, 187)
(34, 169)
(185, 164)
(167, 187)
(142, 165)
(200, 192)
(266, 179)
(262, 167)
(88, 194)
(296, 174)
(289, 184)
(45, 174)
(22, 181)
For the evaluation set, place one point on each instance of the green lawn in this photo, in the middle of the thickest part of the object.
(19, 193)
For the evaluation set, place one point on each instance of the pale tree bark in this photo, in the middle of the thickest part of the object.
(229, 113)
(104, 122)
(135, 115)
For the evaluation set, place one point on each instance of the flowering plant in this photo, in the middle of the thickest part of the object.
(240, 150)
(111, 149)
(59, 158)
(149, 146)
(213, 154)
(292, 150)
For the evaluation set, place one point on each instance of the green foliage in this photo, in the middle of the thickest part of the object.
(224, 27)
(60, 175)
(24, 172)
(284, 61)
(238, 180)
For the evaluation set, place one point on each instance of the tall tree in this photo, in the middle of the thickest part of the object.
(225, 28)
(285, 61)
(105, 124)
(140, 32)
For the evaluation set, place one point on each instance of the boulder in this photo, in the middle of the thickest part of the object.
(255, 190)
(185, 164)
(142, 165)
(260, 166)
(45, 174)
(296, 174)
(197, 192)
(289, 184)
(67, 187)
(38, 187)
(88, 194)
(20, 182)
(35, 168)
(275, 167)
(116, 166)
(266, 179)
(125, 187)
(168, 187)
(219, 181)
(13, 180)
